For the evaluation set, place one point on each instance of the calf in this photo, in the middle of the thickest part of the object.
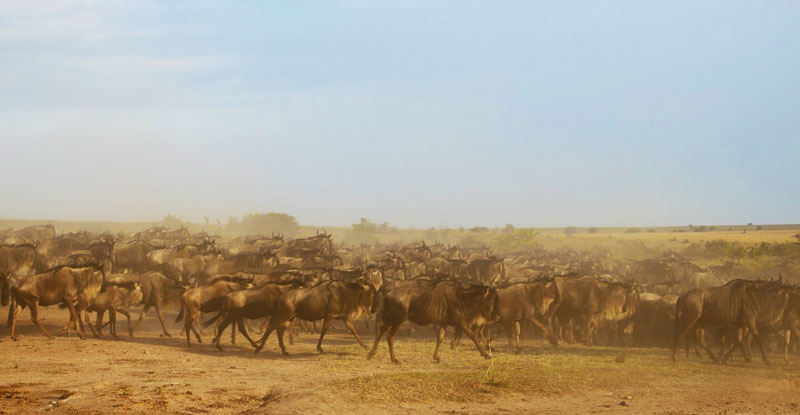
(447, 303)
(115, 299)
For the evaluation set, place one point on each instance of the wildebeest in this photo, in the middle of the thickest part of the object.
(588, 300)
(773, 302)
(735, 304)
(488, 271)
(20, 260)
(252, 303)
(535, 303)
(447, 303)
(207, 298)
(156, 290)
(76, 288)
(326, 301)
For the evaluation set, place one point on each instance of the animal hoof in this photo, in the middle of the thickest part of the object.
(436, 360)
(487, 357)
(370, 356)
(395, 361)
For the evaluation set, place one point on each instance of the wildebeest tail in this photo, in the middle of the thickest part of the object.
(12, 306)
(676, 333)
(212, 319)
(5, 290)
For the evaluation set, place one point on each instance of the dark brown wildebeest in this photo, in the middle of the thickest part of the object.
(206, 299)
(250, 304)
(447, 303)
(773, 302)
(643, 320)
(734, 304)
(115, 298)
(588, 300)
(326, 301)
(488, 271)
(74, 287)
(535, 303)
(321, 243)
(791, 322)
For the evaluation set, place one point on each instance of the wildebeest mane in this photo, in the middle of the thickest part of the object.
(19, 245)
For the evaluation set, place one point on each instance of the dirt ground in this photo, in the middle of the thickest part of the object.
(149, 374)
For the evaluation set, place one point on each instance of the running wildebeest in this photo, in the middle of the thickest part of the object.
(735, 304)
(326, 301)
(252, 303)
(207, 298)
(447, 303)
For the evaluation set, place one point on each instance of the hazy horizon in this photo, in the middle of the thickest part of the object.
(417, 113)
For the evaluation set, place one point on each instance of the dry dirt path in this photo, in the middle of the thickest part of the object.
(153, 375)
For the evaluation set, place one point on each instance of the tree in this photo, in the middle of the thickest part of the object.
(267, 223)
(570, 230)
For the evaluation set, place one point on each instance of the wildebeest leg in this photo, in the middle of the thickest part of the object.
(281, 331)
(233, 333)
(517, 330)
(128, 316)
(263, 325)
(759, 339)
(352, 328)
(74, 318)
(99, 323)
(161, 319)
(390, 339)
(701, 338)
(141, 316)
(16, 309)
(679, 332)
(456, 338)
(221, 328)
(381, 331)
(35, 318)
(468, 331)
(326, 323)
(439, 338)
(86, 317)
(243, 330)
(112, 317)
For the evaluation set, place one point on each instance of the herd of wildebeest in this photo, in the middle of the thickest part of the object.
(559, 295)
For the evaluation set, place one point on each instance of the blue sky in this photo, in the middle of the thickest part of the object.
(425, 113)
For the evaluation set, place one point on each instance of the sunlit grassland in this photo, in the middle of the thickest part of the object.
(463, 376)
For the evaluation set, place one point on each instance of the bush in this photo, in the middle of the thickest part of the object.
(570, 230)
(592, 230)
(633, 230)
